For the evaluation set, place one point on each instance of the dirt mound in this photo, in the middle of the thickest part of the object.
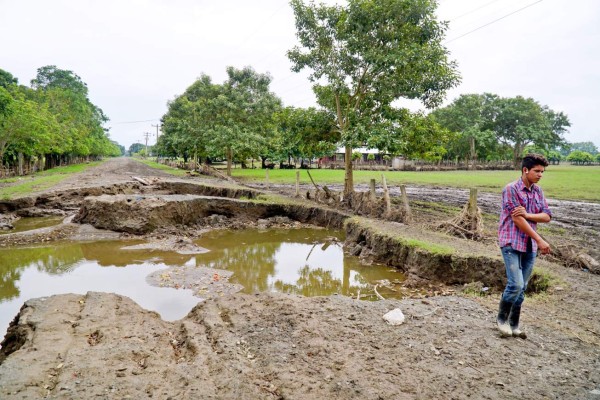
(270, 346)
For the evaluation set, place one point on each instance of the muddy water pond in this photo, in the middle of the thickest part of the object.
(28, 224)
(309, 262)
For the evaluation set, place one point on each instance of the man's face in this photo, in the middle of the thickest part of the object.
(534, 174)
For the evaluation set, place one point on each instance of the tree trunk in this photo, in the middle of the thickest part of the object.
(229, 158)
(472, 150)
(20, 167)
(517, 154)
(348, 181)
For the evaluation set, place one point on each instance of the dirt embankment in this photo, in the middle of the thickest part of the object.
(279, 346)
(271, 346)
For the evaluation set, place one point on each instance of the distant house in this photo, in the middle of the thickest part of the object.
(340, 155)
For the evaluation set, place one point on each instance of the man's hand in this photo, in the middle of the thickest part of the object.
(519, 212)
(543, 246)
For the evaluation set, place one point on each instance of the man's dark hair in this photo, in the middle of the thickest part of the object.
(532, 159)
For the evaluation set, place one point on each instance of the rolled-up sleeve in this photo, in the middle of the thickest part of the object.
(510, 198)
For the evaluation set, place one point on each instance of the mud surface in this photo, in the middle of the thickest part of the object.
(270, 346)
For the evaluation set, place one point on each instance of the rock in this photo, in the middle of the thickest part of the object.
(394, 317)
(588, 262)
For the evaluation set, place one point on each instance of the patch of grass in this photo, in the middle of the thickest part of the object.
(428, 246)
(165, 168)
(541, 280)
(568, 182)
(26, 185)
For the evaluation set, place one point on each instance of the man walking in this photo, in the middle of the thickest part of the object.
(523, 206)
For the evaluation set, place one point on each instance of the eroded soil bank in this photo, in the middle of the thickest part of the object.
(283, 346)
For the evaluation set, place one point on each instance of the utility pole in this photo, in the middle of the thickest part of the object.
(157, 126)
(147, 135)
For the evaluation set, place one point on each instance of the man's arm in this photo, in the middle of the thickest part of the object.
(521, 212)
(523, 226)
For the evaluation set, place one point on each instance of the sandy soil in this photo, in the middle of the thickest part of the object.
(267, 346)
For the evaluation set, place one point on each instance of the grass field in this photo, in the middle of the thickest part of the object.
(11, 188)
(565, 182)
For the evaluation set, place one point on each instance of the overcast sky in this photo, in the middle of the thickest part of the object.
(135, 55)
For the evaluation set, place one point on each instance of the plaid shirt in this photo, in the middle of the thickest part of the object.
(516, 194)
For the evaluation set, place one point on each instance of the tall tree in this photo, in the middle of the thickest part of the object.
(520, 121)
(469, 116)
(52, 77)
(243, 114)
(7, 79)
(367, 54)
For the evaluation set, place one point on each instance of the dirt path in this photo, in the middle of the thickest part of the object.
(274, 346)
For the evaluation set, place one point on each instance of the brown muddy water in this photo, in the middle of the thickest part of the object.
(28, 224)
(300, 261)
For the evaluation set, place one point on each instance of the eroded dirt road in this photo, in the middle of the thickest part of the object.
(274, 346)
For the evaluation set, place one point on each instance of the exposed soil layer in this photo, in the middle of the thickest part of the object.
(269, 346)
(284, 346)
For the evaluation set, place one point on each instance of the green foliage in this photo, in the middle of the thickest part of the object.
(7, 79)
(579, 157)
(306, 133)
(54, 119)
(135, 148)
(488, 126)
(365, 55)
(357, 155)
(233, 120)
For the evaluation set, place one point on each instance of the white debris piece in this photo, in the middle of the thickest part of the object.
(394, 317)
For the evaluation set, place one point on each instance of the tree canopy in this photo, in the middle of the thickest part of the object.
(494, 125)
(368, 54)
(53, 120)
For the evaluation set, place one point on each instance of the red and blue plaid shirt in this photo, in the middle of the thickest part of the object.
(516, 194)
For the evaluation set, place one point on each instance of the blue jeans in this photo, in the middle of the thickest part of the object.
(519, 266)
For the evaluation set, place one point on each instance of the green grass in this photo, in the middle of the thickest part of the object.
(26, 185)
(565, 182)
(431, 247)
(165, 168)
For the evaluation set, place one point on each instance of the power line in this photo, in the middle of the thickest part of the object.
(490, 23)
(472, 11)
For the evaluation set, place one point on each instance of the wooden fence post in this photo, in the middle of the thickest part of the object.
(386, 195)
(372, 190)
(297, 183)
(407, 213)
(473, 208)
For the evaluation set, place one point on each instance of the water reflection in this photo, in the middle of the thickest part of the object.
(299, 261)
(30, 223)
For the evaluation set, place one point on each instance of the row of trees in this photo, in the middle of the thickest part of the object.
(362, 57)
(52, 122)
(490, 127)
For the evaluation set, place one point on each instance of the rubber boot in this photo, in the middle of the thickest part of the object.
(513, 320)
(502, 320)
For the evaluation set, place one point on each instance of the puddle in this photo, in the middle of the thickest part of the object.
(28, 224)
(300, 261)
